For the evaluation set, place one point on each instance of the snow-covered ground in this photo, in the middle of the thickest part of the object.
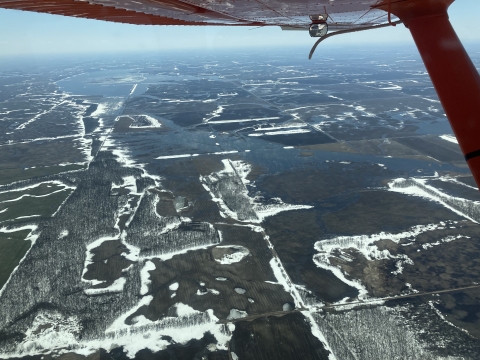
(228, 188)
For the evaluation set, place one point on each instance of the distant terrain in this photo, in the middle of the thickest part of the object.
(234, 206)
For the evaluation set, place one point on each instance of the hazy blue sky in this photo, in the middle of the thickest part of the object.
(31, 33)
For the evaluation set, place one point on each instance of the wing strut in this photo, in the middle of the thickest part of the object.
(453, 74)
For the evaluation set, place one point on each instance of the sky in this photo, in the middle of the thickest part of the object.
(25, 33)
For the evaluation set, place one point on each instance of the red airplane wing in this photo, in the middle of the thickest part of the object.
(343, 14)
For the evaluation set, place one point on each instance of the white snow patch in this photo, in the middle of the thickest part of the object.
(449, 138)
(211, 291)
(246, 209)
(287, 132)
(116, 287)
(49, 330)
(418, 187)
(101, 109)
(240, 253)
(174, 286)
(364, 244)
(145, 276)
(243, 120)
(175, 156)
(275, 206)
(153, 123)
(236, 314)
(145, 334)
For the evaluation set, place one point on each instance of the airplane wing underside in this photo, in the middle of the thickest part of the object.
(343, 14)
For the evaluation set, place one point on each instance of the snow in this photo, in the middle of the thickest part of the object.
(154, 123)
(145, 334)
(37, 116)
(119, 283)
(26, 217)
(193, 155)
(225, 152)
(129, 183)
(365, 244)
(236, 314)
(243, 120)
(382, 333)
(240, 253)
(133, 89)
(145, 276)
(175, 156)
(133, 251)
(214, 114)
(34, 196)
(207, 291)
(440, 315)
(89, 254)
(280, 273)
(446, 239)
(174, 286)
(126, 160)
(116, 287)
(228, 188)
(297, 129)
(288, 132)
(63, 203)
(449, 138)
(170, 255)
(185, 310)
(277, 206)
(283, 279)
(392, 87)
(32, 237)
(119, 323)
(101, 109)
(49, 330)
(418, 187)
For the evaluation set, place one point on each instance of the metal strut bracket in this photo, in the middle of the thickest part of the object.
(340, 32)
